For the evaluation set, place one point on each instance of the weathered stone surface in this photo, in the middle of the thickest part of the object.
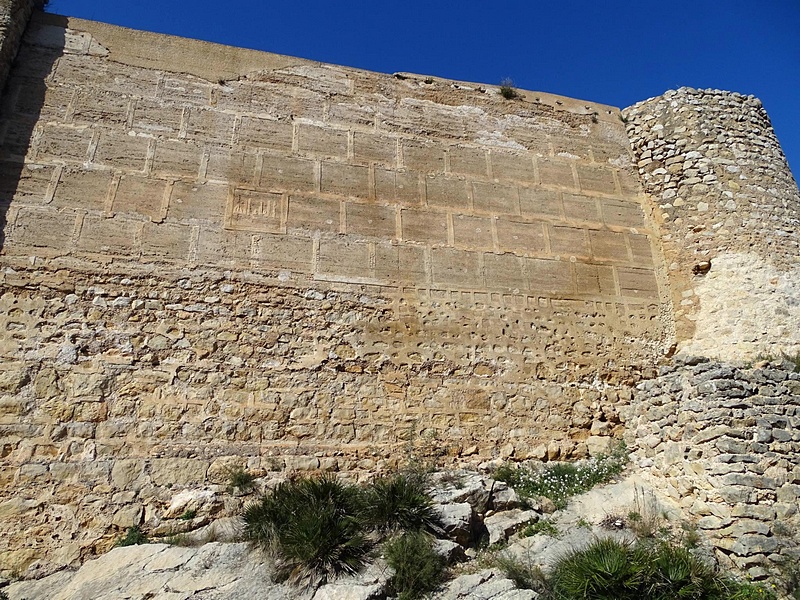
(729, 282)
(754, 544)
(214, 256)
(161, 571)
(739, 489)
(502, 525)
(484, 584)
(456, 520)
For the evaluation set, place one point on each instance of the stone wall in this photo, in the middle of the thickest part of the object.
(14, 15)
(218, 257)
(215, 257)
(723, 441)
(729, 209)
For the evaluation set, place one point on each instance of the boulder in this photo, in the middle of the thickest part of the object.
(456, 520)
(503, 525)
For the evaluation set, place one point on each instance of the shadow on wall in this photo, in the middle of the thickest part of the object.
(21, 106)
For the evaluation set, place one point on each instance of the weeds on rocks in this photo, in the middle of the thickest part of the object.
(319, 528)
(313, 527)
(399, 502)
(418, 569)
(507, 89)
(133, 536)
(523, 573)
(239, 479)
(540, 527)
(609, 569)
(560, 481)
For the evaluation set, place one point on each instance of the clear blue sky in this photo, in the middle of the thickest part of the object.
(607, 51)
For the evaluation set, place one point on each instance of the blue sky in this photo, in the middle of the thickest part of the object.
(609, 51)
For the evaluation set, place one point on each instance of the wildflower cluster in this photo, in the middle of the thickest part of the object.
(560, 481)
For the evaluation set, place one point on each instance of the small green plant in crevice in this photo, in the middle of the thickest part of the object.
(523, 573)
(133, 536)
(561, 481)
(418, 569)
(646, 519)
(188, 515)
(179, 539)
(540, 527)
(239, 479)
(507, 89)
(689, 537)
(748, 591)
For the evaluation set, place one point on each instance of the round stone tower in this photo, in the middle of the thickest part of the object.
(728, 207)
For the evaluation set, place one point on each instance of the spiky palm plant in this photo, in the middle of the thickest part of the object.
(313, 527)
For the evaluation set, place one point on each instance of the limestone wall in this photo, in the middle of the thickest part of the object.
(14, 15)
(215, 256)
(724, 441)
(726, 199)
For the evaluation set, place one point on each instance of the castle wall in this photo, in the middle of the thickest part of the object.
(215, 258)
(218, 257)
(14, 15)
(723, 442)
(726, 199)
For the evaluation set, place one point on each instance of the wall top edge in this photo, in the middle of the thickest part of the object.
(218, 62)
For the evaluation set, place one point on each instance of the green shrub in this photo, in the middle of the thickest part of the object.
(313, 527)
(133, 537)
(560, 481)
(507, 89)
(524, 574)
(677, 573)
(417, 568)
(606, 568)
(3, 595)
(399, 502)
(748, 591)
(240, 479)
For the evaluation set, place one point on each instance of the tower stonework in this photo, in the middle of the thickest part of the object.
(215, 258)
(723, 194)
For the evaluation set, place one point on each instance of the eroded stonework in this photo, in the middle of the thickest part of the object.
(215, 257)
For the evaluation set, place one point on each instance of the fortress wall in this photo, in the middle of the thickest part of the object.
(217, 257)
(726, 196)
(723, 442)
(14, 15)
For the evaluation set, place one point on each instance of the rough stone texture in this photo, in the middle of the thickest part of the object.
(159, 572)
(217, 258)
(725, 196)
(14, 15)
(489, 583)
(723, 442)
(224, 571)
(216, 255)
